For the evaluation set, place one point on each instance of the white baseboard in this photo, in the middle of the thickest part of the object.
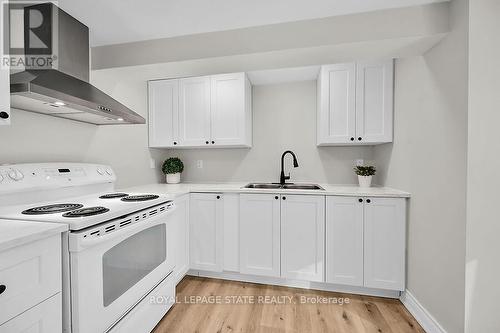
(232, 276)
(424, 318)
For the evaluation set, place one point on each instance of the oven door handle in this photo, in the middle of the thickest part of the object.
(77, 243)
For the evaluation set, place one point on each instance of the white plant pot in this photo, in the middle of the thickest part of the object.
(173, 178)
(365, 181)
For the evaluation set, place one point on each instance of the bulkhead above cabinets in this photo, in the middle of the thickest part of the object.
(207, 111)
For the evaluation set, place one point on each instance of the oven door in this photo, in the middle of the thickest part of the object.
(112, 272)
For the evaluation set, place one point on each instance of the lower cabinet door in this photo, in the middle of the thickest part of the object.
(206, 230)
(302, 237)
(384, 249)
(46, 317)
(231, 232)
(260, 234)
(180, 231)
(344, 240)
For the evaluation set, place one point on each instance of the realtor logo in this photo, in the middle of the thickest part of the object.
(29, 35)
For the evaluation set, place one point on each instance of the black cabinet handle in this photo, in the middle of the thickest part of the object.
(4, 115)
(213, 142)
(352, 139)
(360, 200)
(2, 288)
(360, 138)
(175, 143)
(207, 142)
(284, 198)
(368, 200)
(276, 197)
(218, 197)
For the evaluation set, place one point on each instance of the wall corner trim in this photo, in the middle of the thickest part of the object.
(424, 318)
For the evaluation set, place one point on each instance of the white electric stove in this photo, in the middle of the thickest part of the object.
(117, 252)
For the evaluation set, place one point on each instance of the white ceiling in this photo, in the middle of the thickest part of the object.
(120, 21)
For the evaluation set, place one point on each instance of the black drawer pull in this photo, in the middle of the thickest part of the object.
(2, 288)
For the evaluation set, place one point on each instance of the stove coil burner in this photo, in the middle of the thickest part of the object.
(142, 197)
(113, 195)
(88, 211)
(51, 209)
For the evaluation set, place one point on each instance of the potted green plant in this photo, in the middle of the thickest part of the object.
(172, 168)
(365, 174)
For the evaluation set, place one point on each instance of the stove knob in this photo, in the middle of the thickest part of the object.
(100, 171)
(15, 175)
(109, 171)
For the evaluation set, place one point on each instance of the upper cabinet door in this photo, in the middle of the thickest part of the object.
(260, 234)
(4, 96)
(336, 104)
(163, 113)
(384, 243)
(194, 111)
(229, 109)
(303, 237)
(374, 101)
(206, 231)
(344, 240)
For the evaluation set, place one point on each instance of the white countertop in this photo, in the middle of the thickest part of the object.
(341, 190)
(14, 233)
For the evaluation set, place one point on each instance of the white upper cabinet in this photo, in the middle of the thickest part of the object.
(355, 103)
(230, 110)
(374, 101)
(260, 234)
(303, 237)
(336, 104)
(384, 243)
(344, 240)
(206, 231)
(194, 111)
(4, 96)
(163, 113)
(207, 111)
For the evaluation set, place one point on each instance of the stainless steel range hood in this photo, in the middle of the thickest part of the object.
(63, 90)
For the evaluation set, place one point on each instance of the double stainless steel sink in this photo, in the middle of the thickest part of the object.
(289, 186)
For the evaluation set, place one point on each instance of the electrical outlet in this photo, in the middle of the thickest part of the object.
(152, 163)
(199, 164)
(360, 162)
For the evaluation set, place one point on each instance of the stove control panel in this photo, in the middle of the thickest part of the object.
(25, 177)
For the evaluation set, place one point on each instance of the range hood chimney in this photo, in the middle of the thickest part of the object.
(61, 88)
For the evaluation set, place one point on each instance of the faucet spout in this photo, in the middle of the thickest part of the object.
(284, 178)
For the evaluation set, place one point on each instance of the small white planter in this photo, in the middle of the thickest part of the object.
(365, 181)
(173, 178)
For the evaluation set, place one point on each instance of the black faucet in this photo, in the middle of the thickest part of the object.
(283, 178)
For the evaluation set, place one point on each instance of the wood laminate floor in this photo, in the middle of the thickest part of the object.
(248, 307)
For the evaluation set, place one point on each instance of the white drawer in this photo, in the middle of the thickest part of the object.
(30, 274)
(145, 315)
(46, 317)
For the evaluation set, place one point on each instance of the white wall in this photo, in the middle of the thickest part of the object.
(284, 117)
(428, 159)
(483, 221)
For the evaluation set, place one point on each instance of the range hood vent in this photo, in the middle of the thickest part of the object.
(63, 90)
